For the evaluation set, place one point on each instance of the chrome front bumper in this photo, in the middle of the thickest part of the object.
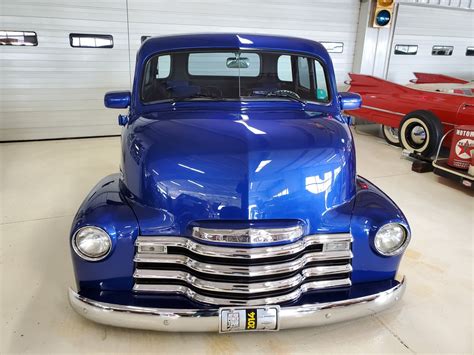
(196, 320)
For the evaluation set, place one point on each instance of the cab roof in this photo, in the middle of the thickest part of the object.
(155, 45)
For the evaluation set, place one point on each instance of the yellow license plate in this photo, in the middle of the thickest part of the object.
(244, 319)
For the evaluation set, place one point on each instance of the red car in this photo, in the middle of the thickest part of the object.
(413, 117)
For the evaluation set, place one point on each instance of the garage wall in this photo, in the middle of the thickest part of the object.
(56, 91)
(464, 4)
(53, 90)
(426, 27)
(320, 20)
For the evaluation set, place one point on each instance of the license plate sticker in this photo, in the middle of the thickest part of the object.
(245, 319)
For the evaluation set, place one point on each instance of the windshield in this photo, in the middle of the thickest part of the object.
(233, 76)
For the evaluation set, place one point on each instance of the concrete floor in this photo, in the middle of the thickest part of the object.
(43, 183)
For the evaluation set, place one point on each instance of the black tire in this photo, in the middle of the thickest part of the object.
(391, 135)
(420, 131)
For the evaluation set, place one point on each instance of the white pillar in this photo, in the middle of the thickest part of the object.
(373, 45)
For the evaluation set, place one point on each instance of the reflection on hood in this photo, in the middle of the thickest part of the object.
(197, 166)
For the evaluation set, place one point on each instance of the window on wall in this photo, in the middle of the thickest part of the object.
(470, 51)
(442, 50)
(83, 40)
(333, 47)
(406, 49)
(18, 38)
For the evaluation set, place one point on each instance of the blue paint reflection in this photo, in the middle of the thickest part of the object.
(292, 166)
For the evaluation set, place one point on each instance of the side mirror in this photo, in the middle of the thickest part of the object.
(349, 101)
(117, 99)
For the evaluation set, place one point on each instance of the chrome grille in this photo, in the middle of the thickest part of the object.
(224, 275)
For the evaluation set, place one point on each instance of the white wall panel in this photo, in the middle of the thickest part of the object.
(319, 20)
(428, 26)
(54, 90)
(463, 4)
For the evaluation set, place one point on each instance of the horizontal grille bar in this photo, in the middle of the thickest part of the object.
(163, 243)
(248, 235)
(222, 274)
(243, 288)
(190, 293)
(239, 270)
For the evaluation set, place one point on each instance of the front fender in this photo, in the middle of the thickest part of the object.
(372, 210)
(105, 207)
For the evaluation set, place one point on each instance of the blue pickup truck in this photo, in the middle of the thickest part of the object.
(237, 206)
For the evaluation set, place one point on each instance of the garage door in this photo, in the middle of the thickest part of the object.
(54, 90)
(333, 21)
(432, 40)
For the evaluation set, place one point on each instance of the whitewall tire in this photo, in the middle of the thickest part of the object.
(420, 131)
(391, 135)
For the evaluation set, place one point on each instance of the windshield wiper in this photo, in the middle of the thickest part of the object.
(285, 95)
(195, 96)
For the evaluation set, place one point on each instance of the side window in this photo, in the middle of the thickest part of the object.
(321, 84)
(303, 73)
(284, 71)
(470, 51)
(163, 67)
(157, 68)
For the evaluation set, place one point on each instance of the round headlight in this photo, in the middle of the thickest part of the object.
(91, 243)
(391, 239)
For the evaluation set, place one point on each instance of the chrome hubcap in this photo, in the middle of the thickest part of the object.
(393, 132)
(418, 135)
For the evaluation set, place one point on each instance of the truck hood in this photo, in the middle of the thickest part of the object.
(180, 167)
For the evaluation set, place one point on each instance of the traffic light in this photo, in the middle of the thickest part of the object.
(383, 13)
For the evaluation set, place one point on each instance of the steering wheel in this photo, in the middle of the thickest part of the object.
(283, 93)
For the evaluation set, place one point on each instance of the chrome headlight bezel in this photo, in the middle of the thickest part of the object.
(81, 253)
(402, 246)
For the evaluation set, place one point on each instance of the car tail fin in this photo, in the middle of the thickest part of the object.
(367, 83)
(365, 80)
(428, 78)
